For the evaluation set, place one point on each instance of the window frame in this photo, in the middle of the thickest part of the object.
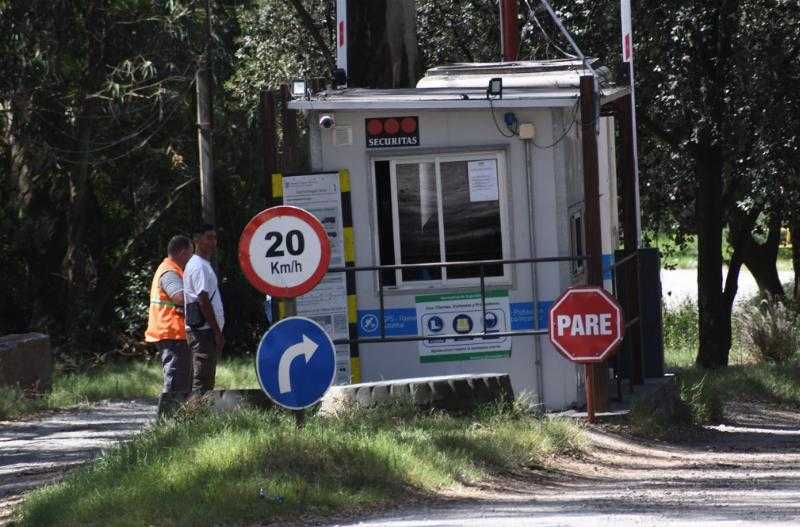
(499, 155)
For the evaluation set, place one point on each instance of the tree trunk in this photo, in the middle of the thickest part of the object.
(708, 167)
(78, 265)
(382, 43)
(794, 229)
(762, 259)
(728, 296)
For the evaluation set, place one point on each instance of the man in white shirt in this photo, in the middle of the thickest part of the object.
(200, 287)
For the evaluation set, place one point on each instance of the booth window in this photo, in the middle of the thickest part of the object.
(447, 208)
(576, 240)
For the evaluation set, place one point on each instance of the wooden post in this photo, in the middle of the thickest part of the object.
(590, 403)
(509, 34)
(630, 229)
(269, 140)
(204, 143)
(205, 128)
(289, 123)
(596, 375)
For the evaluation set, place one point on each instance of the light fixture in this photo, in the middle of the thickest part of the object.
(495, 88)
(298, 88)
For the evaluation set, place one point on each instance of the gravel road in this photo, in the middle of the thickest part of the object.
(34, 453)
(747, 473)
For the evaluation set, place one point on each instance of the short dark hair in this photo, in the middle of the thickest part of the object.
(202, 229)
(177, 244)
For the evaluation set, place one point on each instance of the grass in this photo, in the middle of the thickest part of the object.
(675, 256)
(131, 380)
(704, 392)
(209, 469)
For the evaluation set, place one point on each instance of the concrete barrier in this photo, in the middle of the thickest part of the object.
(26, 361)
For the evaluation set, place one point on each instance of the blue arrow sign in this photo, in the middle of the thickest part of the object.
(296, 363)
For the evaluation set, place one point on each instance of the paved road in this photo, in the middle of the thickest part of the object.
(679, 284)
(747, 475)
(34, 453)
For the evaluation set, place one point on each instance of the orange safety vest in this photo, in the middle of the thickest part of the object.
(165, 320)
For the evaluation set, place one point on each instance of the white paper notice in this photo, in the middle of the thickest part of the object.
(483, 180)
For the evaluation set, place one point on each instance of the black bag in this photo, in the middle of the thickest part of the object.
(194, 316)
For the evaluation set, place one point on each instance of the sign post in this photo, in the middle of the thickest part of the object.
(586, 326)
(284, 252)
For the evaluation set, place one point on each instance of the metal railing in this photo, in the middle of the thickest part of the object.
(630, 266)
(481, 264)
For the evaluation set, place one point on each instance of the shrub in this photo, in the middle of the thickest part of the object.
(770, 331)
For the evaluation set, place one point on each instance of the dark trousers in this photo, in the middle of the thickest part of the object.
(204, 358)
(177, 364)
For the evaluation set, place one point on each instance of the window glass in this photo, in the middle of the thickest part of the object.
(383, 191)
(418, 220)
(443, 208)
(471, 213)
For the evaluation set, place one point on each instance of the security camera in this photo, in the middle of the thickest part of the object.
(327, 122)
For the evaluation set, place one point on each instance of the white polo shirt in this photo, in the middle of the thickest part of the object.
(199, 276)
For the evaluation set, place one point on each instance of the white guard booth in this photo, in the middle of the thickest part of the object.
(443, 173)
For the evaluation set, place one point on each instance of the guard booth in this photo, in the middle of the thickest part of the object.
(457, 171)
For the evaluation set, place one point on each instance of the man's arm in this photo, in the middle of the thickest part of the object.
(208, 312)
(172, 284)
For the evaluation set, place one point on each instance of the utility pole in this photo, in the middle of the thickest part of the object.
(205, 126)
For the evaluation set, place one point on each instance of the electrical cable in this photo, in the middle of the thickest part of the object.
(547, 37)
(564, 133)
(494, 118)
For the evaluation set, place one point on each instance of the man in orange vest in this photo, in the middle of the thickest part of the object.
(166, 326)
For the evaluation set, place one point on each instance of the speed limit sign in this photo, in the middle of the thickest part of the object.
(284, 251)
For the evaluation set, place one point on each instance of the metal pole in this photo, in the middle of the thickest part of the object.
(483, 298)
(590, 393)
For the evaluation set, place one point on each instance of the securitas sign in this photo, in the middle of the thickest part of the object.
(388, 132)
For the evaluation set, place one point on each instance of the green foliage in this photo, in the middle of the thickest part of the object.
(705, 404)
(680, 334)
(770, 330)
(137, 379)
(209, 469)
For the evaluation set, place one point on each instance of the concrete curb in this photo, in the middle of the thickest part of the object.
(452, 393)
(455, 393)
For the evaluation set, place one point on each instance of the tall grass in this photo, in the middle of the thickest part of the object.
(131, 380)
(213, 469)
(705, 392)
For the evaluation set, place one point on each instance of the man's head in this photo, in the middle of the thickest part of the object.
(180, 249)
(205, 240)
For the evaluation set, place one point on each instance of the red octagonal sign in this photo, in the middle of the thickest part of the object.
(586, 324)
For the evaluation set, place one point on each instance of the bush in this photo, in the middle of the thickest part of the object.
(770, 332)
(681, 335)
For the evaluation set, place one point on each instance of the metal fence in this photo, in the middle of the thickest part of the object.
(482, 265)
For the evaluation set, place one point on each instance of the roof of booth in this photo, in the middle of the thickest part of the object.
(527, 84)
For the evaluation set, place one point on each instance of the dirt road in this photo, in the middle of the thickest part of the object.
(34, 453)
(746, 473)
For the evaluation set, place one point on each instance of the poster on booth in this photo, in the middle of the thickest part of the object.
(461, 314)
(326, 304)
